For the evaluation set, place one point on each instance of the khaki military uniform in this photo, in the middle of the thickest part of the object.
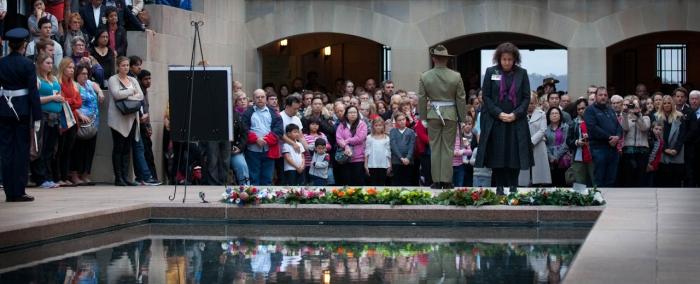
(442, 100)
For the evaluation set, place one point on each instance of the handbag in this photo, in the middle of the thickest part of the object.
(340, 156)
(87, 130)
(565, 161)
(127, 106)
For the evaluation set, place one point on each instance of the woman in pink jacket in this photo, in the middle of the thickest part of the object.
(351, 135)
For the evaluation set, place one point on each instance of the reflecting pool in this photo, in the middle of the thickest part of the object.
(300, 254)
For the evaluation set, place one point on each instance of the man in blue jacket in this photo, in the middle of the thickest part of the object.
(604, 132)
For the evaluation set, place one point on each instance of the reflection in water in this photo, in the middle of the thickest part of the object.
(280, 261)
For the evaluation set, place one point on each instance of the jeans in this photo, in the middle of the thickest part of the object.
(141, 170)
(605, 161)
(240, 168)
(458, 176)
(481, 181)
(260, 167)
(317, 181)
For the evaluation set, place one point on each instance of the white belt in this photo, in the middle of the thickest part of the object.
(442, 103)
(9, 94)
(437, 105)
(14, 93)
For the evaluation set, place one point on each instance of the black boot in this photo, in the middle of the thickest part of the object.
(436, 185)
(513, 189)
(499, 190)
(117, 167)
(448, 185)
(125, 169)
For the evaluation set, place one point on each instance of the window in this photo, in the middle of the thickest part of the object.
(670, 63)
(386, 63)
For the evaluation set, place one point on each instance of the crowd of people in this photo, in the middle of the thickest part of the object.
(79, 62)
(374, 135)
(349, 134)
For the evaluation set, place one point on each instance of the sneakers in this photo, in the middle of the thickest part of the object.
(150, 182)
(49, 184)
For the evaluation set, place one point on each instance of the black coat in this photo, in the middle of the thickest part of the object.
(18, 72)
(240, 132)
(505, 145)
(89, 26)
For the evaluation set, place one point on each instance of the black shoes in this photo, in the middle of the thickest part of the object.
(442, 185)
(23, 198)
(499, 190)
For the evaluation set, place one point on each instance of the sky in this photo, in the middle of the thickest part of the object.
(543, 61)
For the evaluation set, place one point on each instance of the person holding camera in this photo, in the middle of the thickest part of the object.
(635, 148)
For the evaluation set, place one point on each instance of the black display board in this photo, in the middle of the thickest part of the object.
(211, 103)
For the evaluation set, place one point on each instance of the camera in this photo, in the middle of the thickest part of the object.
(630, 106)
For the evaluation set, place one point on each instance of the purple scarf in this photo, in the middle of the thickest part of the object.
(558, 137)
(510, 92)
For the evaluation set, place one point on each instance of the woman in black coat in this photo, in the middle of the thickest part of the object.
(505, 145)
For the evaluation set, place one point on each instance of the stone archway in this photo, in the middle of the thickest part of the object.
(349, 58)
(635, 60)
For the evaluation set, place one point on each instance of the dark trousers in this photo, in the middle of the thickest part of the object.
(61, 163)
(83, 152)
(670, 175)
(350, 174)
(121, 153)
(41, 167)
(293, 178)
(148, 150)
(14, 150)
(558, 178)
(633, 169)
(402, 175)
(377, 177)
(218, 156)
(605, 160)
(468, 175)
(426, 178)
(505, 177)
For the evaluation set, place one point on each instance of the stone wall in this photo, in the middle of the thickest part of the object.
(235, 29)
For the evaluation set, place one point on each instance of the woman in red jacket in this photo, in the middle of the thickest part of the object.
(71, 95)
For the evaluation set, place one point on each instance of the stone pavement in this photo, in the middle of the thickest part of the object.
(644, 235)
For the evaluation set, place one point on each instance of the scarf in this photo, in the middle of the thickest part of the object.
(558, 137)
(507, 91)
(587, 158)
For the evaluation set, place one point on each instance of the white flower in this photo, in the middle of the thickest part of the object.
(224, 246)
(532, 200)
(598, 197)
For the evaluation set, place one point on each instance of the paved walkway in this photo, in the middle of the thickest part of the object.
(643, 236)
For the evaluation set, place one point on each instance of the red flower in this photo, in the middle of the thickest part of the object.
(475, 196)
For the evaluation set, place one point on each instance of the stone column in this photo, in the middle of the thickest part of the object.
(586, 66)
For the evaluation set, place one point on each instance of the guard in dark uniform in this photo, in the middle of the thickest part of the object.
(19, 107)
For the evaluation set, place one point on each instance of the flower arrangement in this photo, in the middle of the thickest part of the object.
(247, 195)
(251, 195)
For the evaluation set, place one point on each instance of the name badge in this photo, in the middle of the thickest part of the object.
(496, 77)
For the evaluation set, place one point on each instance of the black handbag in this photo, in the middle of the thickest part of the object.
(127, 106)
